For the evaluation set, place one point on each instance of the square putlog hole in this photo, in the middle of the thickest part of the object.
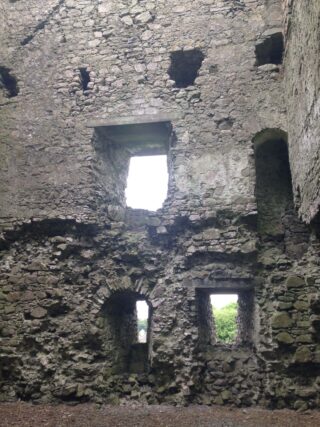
(185, 66)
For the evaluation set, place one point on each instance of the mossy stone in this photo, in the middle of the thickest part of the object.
(281, 320)
(295, 282)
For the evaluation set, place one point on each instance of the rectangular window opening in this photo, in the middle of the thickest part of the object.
(132, 162)
(225, 317)
(147, 183)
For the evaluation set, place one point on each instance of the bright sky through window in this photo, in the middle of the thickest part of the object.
(147, 183)
(142, 310)
(220, 300)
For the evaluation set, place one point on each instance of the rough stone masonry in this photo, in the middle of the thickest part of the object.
(229, 90)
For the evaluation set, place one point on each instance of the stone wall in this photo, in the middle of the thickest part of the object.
(302, 81)
(93, 82)
(138, 44)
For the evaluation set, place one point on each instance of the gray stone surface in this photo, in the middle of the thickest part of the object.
(74, 257)
(302, 85)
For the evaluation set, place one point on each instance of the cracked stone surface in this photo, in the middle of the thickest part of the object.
(74, 258)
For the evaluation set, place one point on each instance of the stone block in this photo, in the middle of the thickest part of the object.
(295, 282)
(281, 320)
(302, 355)
(38, 313)
(284, 338)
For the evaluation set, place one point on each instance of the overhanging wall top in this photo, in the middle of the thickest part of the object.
(143, 135)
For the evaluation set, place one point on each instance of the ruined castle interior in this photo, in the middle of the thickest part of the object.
(227, 92)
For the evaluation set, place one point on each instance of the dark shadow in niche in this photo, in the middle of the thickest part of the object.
(84, 78)
(315, 314)
(185, 66)
(122, 344)
(273, 181)
(270, 50)
(8, 83)
(315, 226)
(277, 217)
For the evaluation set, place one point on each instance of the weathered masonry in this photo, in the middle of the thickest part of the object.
(228, 90)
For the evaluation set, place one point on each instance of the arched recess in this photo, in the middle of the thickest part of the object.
(277, 217)
(121, 344)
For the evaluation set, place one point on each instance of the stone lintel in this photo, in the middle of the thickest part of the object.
(221, 284)
(133, 120)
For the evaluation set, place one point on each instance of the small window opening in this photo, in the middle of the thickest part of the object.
(185, 66)
(84, 78)
(143, 319)
(225, 318)
(127, 322)
(225, 314)
(8, 83)
(147, 183)
(270, 50)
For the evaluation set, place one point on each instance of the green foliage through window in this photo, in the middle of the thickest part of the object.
(225, 320)
(142, 324)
